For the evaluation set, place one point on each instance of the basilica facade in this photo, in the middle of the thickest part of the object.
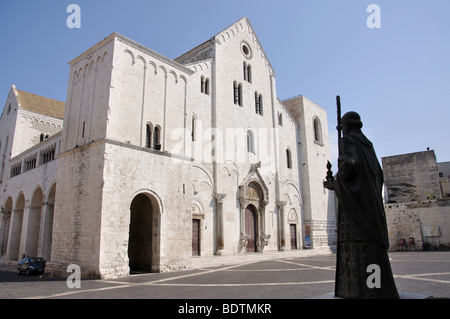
(152, 161)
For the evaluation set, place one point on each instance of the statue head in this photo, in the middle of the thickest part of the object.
(351, 121)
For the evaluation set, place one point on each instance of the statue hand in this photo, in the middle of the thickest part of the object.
(329, 184)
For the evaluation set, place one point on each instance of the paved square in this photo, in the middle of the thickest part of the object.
(290, 278)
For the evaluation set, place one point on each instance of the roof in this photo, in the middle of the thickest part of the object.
(41, 105)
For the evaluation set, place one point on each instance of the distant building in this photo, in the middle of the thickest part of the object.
(444, 178)
(417, 201)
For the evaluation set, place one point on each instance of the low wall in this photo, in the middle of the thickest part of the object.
(427, 223)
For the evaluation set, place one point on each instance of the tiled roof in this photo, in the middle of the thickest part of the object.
(41, 105)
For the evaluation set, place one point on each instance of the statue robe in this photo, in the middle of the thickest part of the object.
(362, 230)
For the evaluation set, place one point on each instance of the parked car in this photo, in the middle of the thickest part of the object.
(31, 265)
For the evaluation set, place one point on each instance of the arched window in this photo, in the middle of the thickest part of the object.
(202, 84)
(194, 128)
(157, 138)
(317, 130)
(288, 158)
(241, 102)
(148, 135)
(250, 142)
(237, 93)
(83, 130)
(258, 103)
(247, 72)
(207, 86)
(280, 119)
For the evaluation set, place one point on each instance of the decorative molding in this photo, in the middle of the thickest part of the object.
(151, 53)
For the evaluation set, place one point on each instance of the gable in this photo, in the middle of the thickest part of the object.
(243, 26)
(206, 50)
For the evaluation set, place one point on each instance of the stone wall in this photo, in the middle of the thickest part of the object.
(410, 220)
(411, 177)
(78, 206)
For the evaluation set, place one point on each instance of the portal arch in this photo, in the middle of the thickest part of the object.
(144, 233)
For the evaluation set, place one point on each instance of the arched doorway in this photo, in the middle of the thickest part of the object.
(47, 231)
(34, 223)
(142, 244)
(6, 220)
(251, 227)
(16, 229)
(253, 199)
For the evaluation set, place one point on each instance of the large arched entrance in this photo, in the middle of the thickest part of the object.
(253, 196)
(142, 245)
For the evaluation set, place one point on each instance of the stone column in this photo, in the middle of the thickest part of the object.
(219, 224)
(264, 238)
(45, 233)
(5, 222)
(282, 218)
(30, 230)
(15, 231)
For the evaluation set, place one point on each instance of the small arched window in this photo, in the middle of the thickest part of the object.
(258, 103)
(288, 158)
(194, 128)
(202, 84)
(280, 119)
(247, 72)
(317, 130)
(207, 86)
(157, 138)
(148, 135)
(83, 130)
(237, 93)
(250, 142)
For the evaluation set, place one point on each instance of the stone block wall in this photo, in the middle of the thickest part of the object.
(407, 220)
(411, 177)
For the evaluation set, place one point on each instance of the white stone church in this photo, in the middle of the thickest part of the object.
(152, 162)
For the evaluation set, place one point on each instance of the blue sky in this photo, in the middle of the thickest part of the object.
(397, 76)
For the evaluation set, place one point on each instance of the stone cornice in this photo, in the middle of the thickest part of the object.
(152, 53)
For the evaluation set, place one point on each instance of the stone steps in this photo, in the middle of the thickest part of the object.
(217, 261)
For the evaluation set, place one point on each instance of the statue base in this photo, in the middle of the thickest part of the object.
(331, 295)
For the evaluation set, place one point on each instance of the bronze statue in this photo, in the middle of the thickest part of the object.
(362, 265)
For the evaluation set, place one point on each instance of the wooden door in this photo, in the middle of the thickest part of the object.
(196, 237)
(293, 231)
(250, 228)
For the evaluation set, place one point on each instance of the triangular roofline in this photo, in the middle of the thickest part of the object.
(260, 47)
(220, 37)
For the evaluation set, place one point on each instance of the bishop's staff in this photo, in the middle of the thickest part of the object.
(330, 178)
(339, 123)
